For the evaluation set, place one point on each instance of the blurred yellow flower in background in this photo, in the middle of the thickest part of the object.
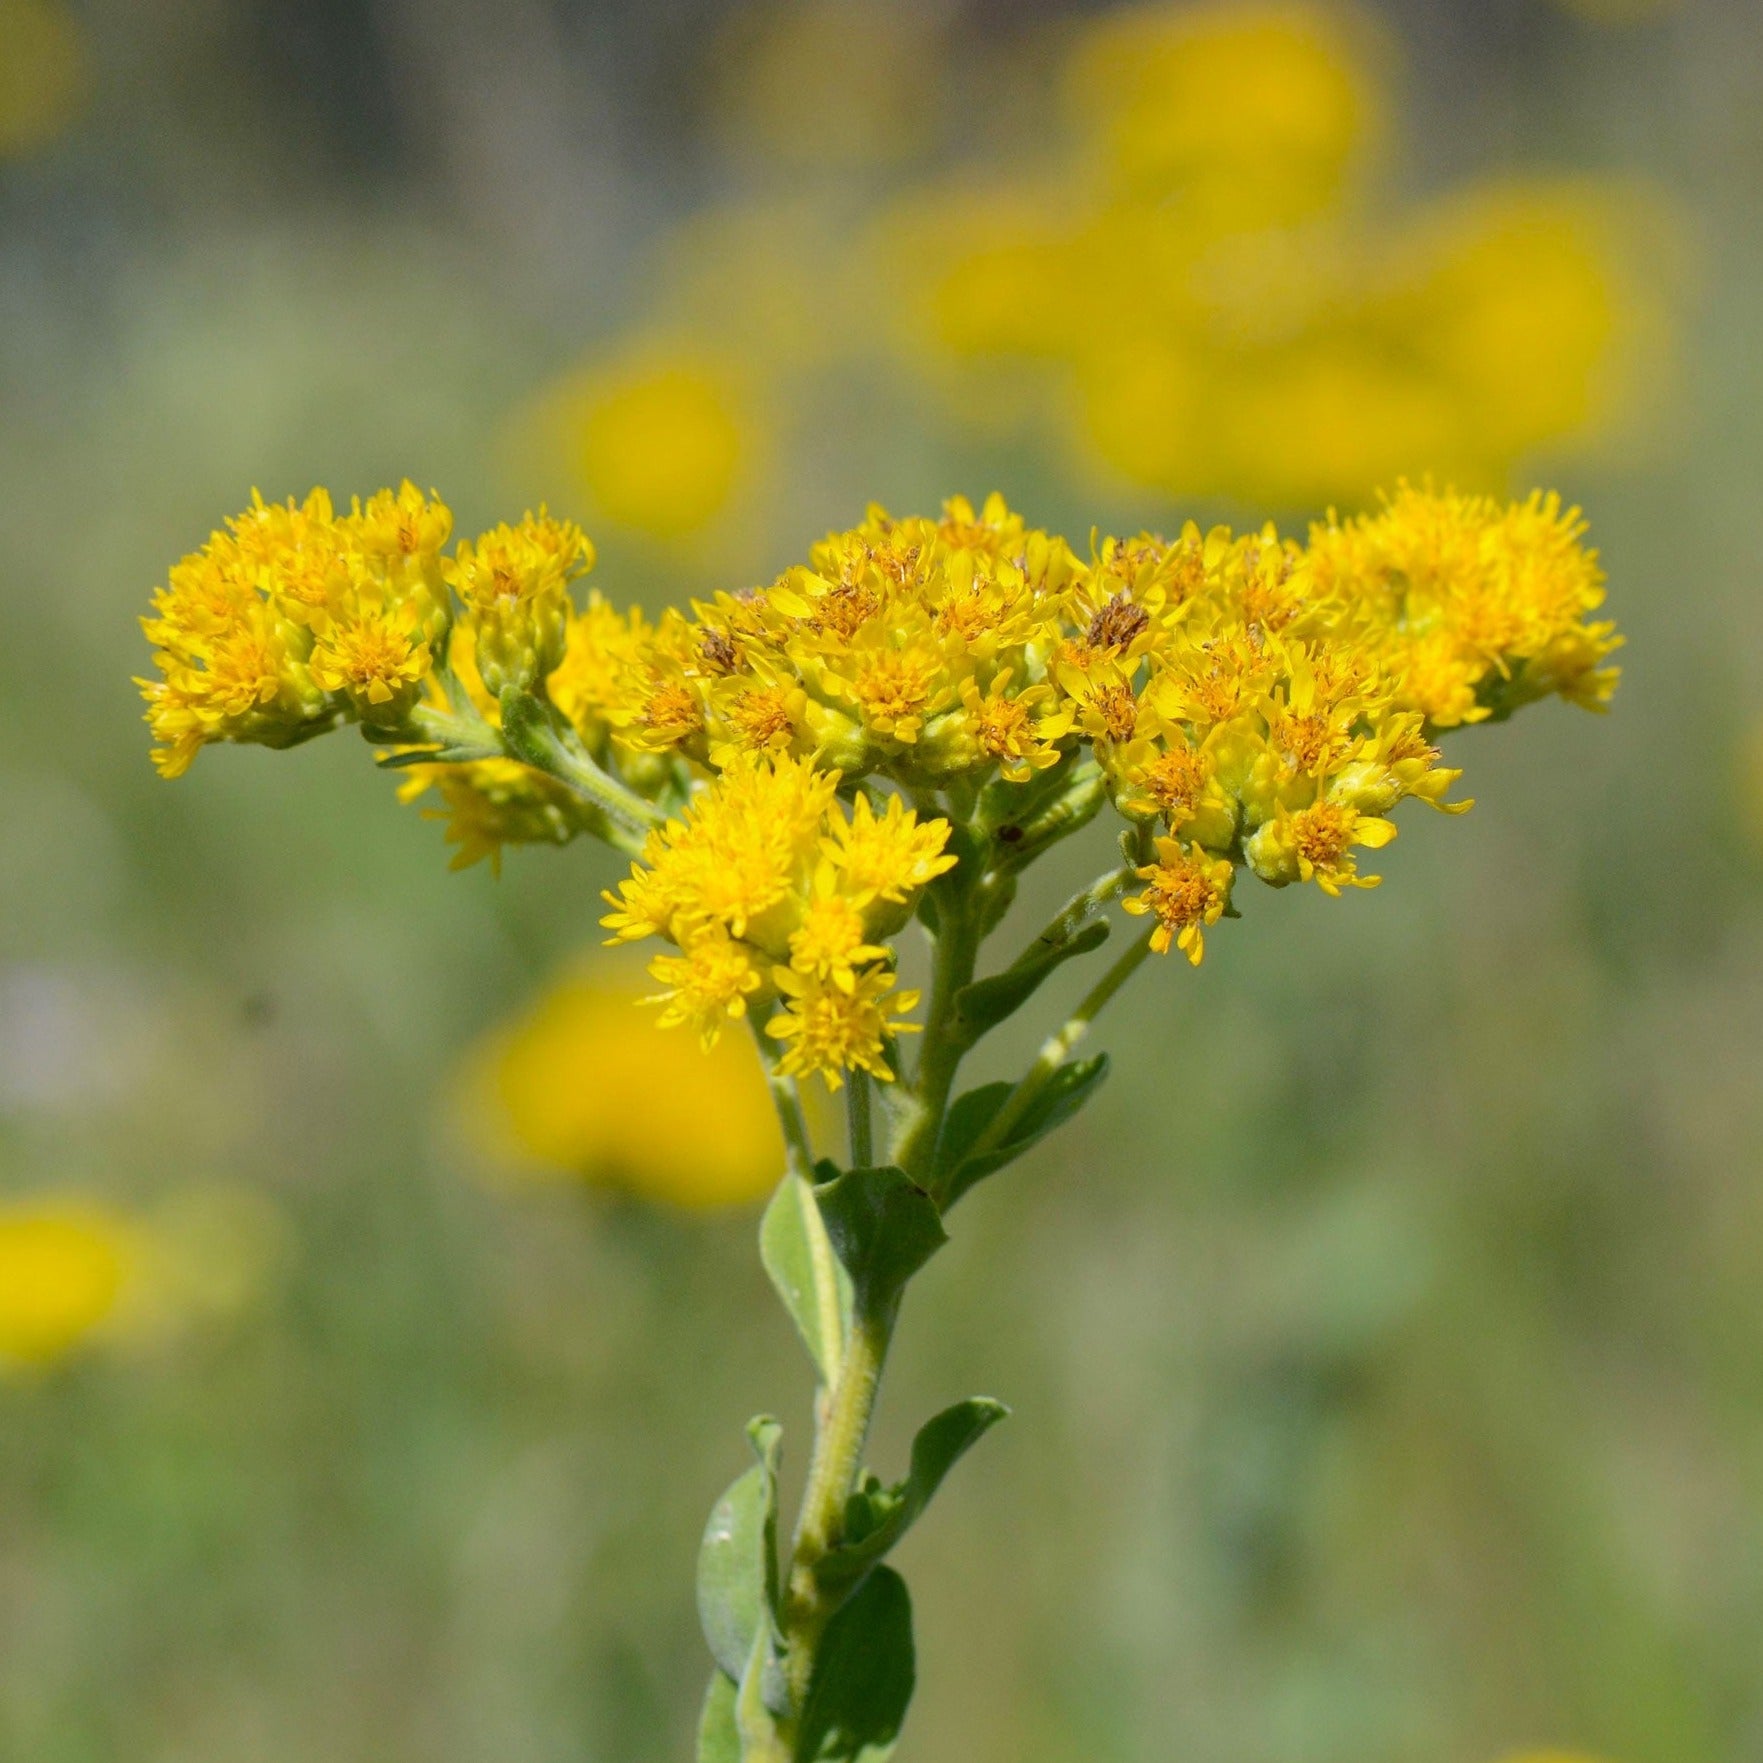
(660, 438)
(582, 1085)
(64, 1266)
(1211, 303)
(45, 73)
(1182, 272)
(871, 69)
(1243, 116)
(75, 1272)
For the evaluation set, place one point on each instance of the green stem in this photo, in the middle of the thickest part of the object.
(945, 1043)
(832, 1475)
(1057, 1047)
(531, 733)
(1071, 917)
(787, 1100)
(460, 737)
(858, 1117)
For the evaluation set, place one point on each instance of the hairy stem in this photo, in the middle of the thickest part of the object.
(832, 1475)
(787, 1100)
(1071, 917)
(531, 732)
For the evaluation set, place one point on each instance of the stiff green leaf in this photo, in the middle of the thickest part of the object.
(987, 1002)
(737, 1560)
(879, 1516)
(718, 1739)
(759, 1699)
(883, 1228)
(959, 1166)
(799, 1258)
(864, 1674)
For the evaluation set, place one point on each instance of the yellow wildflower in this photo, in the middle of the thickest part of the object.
(1316, 844)
(1479, 608)
(1188, 891)
(375, 657)
(887, 856)
(766, 871)
(602, 650)
(63, 1270)
(708, 983)
(1021, 732)
(488, 803)
(829, 943)
(577, 1085)
(513, 581)
(830, 1028)
(293, 620)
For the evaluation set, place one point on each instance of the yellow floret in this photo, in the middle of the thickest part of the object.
(830, 1029)
(1189, 890)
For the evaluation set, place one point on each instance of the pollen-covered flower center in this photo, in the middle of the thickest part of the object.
(1115, 626)
(1324, 831)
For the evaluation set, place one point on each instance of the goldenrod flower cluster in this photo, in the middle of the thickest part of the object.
(794, 765)
(294, 619)
(771, 888)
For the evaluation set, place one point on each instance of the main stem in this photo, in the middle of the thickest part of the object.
(952, 965)
(832, 1475)
(842, 1417)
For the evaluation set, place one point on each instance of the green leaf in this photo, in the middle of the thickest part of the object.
(883, 1227)
(737, 1560)
(883, 1515)
(959, 1167)
(989, 1001)
(864, 1674)
(759, 1699)
(815, 1289)
(718, 1739)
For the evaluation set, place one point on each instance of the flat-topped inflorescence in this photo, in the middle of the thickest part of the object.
(929, 691)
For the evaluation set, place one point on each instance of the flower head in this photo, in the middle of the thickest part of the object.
(772, 894)
(513, 581)
(1188, 891)
(829, 1029)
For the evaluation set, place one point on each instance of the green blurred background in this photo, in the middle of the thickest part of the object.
(1386, 1344)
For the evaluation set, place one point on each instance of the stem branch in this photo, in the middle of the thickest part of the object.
(1057, 1047)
